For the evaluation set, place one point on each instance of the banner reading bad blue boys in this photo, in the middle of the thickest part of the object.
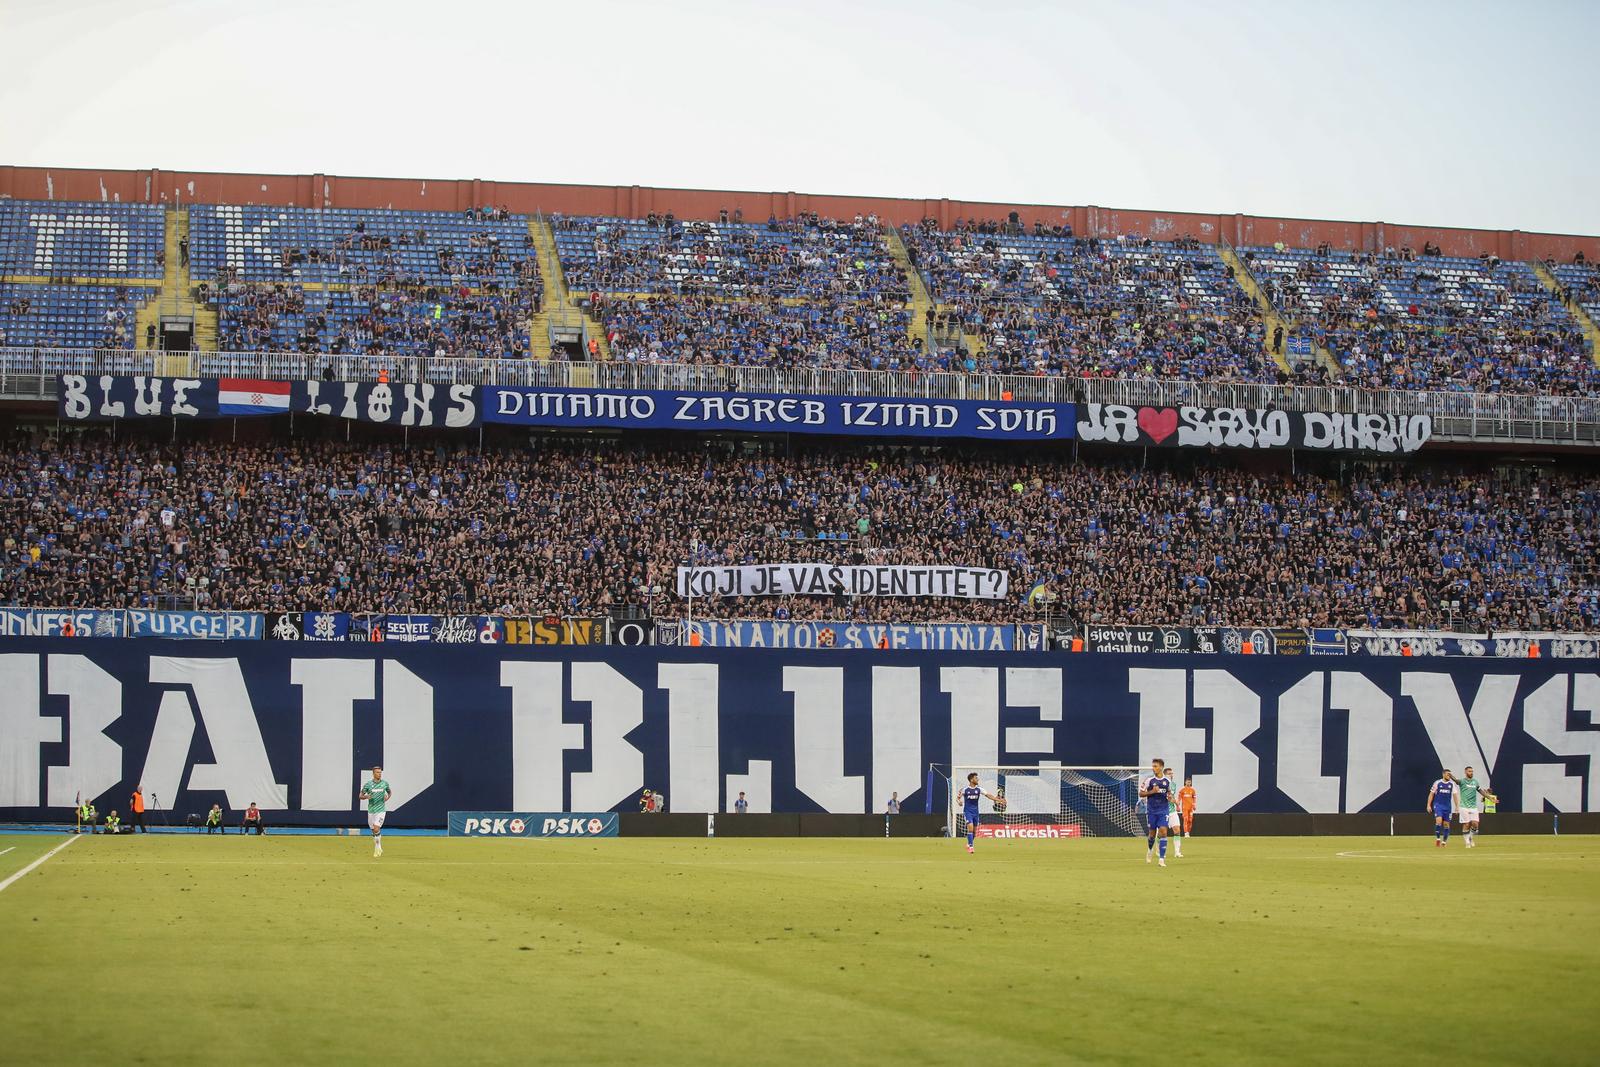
(637, 409)
(495, 729)
(82, 397)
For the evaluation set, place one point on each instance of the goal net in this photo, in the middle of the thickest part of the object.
(1050, 802)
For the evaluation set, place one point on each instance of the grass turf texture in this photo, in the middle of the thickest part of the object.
(178, 949)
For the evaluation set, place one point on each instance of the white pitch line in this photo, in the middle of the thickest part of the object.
(7, 883)
(3, 851)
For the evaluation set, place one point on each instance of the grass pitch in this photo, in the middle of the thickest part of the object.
(179, 949)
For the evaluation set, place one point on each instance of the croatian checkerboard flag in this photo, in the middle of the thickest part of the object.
(251, 396)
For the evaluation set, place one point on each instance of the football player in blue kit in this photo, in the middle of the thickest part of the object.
(1442, 802)
(1157, 794)
(969, 805)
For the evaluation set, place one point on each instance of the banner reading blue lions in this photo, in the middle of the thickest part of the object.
(81, 397)
(492, 728)
(640, 409)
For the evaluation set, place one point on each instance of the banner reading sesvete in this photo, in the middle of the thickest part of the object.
(821, 579)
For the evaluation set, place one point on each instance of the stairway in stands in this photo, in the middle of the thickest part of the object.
(1586, 323)
(557, 312)
(1270, 316)
(177, 300)
(921, 299)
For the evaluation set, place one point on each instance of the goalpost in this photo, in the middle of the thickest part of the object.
(1050, 802)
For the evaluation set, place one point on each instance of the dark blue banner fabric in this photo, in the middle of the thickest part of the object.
(641, 409)
(292, 725)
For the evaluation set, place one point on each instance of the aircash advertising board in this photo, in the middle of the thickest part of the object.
(499, 729)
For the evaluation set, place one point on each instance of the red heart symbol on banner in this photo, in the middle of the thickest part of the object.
(1159, 423)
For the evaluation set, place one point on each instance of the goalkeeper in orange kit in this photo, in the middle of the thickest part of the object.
(1186, 805)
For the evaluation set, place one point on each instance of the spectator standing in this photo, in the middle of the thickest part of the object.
(893, 807)
(741, 806)
(136, 812)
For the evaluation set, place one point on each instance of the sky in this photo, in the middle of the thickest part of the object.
(1459, 113)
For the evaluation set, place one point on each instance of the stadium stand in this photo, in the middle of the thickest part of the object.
(72, 271)
(1580, 281)
(1044, 302)
(68, 316)
(384, 282)
(58, 240)
(583, 527)
(802, 292)
(805, 292)
(1401, 321)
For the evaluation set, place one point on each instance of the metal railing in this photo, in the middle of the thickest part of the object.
(30, 373)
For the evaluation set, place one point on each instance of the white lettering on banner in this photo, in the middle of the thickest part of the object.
(896, 733)
(1300, 776)
(75, 396)
(819, 739)
(170, 738)
(330, 688)
(22, 731)
(419, 405)
(180, 397)
(692, 744)
(1039, 421)
(1544, 717)
(463, 409)
(539, 736)
(242, 769)
(146, 403)
(407, 734)
(894, 414)
(756, 784)
(380, 401)
(616, 710)
(1462, 738)
(1369, 749)
(108, 409)
(821, 579)
(314, 405)
(1368, 433)
(1235, 717)
(1233, 428)
(1369, 761)
(1164, 729)
(974, 718)
(1253, 428)
(1033, 687)
(94, 702)
(1108, 422)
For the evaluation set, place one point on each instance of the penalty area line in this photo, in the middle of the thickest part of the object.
(7, 883)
